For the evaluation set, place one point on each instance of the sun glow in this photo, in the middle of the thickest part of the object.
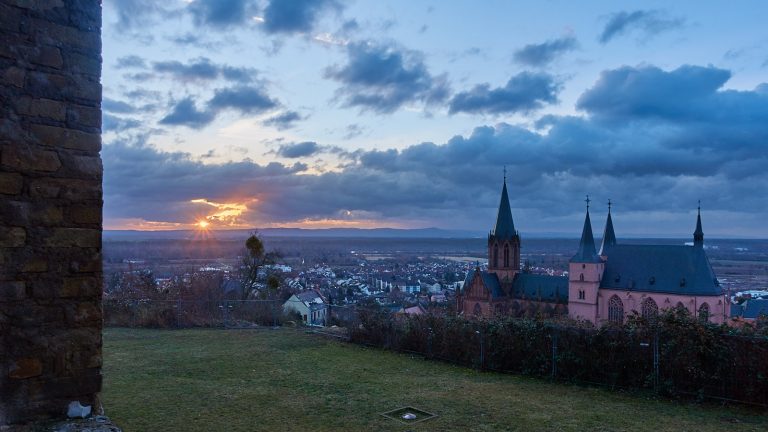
(227, 215)
(203, 224)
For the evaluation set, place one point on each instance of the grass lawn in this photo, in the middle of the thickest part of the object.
(286, 380)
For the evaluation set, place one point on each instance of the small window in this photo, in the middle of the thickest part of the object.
(652, 280)
(617, 279)
(682, 282)
(581, 277)
(583, 266)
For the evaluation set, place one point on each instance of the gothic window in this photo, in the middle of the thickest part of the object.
(506, 256)
(495, 256)
(704, 312)
(649, 309)
(581, 277)
(615, 310)
(478, 310)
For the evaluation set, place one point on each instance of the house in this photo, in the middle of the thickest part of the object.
(750, 310)
(310, 305)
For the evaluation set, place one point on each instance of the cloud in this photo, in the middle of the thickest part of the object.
(111, 123)
(185, 113)
(131, 61)
(383, 78)
(284, 120)
(297, 150)
(115, 106)
(295, 16)
(221, 13)
(648, 22)
(244, 99)
(202, 69)
(137, 14)
(538, 55)
(523, 93)
(652, 152)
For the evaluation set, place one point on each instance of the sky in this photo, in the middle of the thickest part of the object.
(362, 113)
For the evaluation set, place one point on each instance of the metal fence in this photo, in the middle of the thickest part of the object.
(703, 363)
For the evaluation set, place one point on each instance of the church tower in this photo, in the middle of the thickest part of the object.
(698, 235)
(585, 270)
(504, 241)
(609, 237)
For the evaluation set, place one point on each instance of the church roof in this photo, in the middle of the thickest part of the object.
(490, 280)
(586, 252)
(668, 269)
(609, 237)
(505, 226)
(533, 286)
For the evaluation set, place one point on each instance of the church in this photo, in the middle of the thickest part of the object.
(601, 286)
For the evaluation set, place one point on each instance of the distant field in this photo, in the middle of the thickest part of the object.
(286, 380)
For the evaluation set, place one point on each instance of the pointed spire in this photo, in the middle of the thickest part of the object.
(609, 237)
(698, 235)
(505, 226)
(586, 252)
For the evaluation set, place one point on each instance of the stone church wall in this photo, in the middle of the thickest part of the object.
(50, 207)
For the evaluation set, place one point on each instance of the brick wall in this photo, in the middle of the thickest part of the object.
(50, 207)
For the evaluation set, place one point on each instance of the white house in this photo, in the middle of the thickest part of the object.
(310, 305)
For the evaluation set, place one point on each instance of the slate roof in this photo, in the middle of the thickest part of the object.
(669, 269)
(530, 286)
(533, 286)
(308, 296)
(490, 280)
(609, 236)
(505, 226)
(586, 252)
(751, 309)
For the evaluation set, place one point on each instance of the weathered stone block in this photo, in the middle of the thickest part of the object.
(46, 108)
(87, 263)
(47, 56)
(84, 115)
(88, 312)
(71, 189)
(84, 166)
(14, 76)
(69, 237)
(11, 183)
(29, 158)
(35, 265)
(80, 287)
(62, 137)
(26, 367)
(12, 290)
(85, 214)
(12, 237)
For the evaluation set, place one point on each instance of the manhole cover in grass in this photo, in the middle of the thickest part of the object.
(408, 415)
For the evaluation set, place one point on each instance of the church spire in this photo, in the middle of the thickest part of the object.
(505, 226)
(609, 237)
(586, 252)
(698, 235)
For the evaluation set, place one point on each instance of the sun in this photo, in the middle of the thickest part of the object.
(203, 224)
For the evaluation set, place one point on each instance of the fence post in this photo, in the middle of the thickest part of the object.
(554, 352)
(656, 361)
(429, 342)
(482, 348)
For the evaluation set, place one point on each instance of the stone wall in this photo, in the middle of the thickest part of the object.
(50, 207)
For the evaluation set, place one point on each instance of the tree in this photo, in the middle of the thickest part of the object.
(254, 259)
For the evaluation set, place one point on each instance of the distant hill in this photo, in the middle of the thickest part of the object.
(133, 235)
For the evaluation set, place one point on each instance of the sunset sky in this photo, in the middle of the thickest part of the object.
(333, 113)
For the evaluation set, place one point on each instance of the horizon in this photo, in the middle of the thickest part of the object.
(349, 114)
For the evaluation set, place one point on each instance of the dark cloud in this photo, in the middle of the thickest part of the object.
(523, 93)
(185, 113)
(295, 16)
(115, 106)
(384, 78)
(542, 54)
(221, 13)
(298, 150)
(243, 99)
(648, 22)
(111, 123)
(655, 154)
(283, 121)
(202, 69)
(131, 61)
(137, 14)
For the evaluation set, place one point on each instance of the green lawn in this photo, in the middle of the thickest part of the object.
(286, 380)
